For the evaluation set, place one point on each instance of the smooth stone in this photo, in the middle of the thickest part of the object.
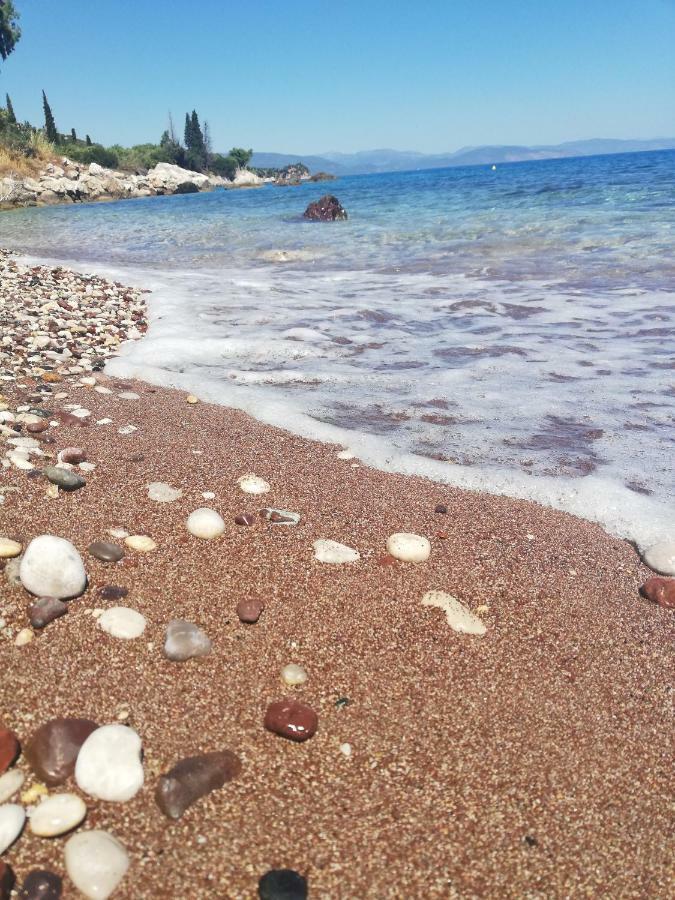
(7, 880)
(293, 674)
(408, 547)
(251, 484)
(122, 622)
(113, 592)
(163, 493)
(249, 611)
(9, 548)
(141, 543)
(52, 750)
(41, 885)
(64, 478)
(661, 557)
(185, 641)
(660, 590)
(52, 567)
(109, 765)
(25, 636)
(9, 748)
(12, 818)
(10, 783)
(441, 508)
(129, 395)
(280, 516)
(57, 814)
(105, 551)
(291, 719)
(72, 455)
(193, 778)
(460, 618)
(45, 610)
(282, 884)
(244, 519)
(96, 863)
(205, 523)
(334, 553)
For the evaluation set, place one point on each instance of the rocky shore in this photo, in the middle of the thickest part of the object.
(236, 662)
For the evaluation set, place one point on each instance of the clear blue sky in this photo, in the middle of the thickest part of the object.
(298, 76)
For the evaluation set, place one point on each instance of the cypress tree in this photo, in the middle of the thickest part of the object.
(11, 118)
(188, 132)
(87, 141)
(50, 124)
(73, 136)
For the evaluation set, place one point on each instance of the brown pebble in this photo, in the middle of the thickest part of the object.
(386, 560)
(41, 884)
(45, 610)
(9, 749)
(660, 590)
(441, 508)
(249, 611)
(52, 750)
(7, 879)
(442, 535)
(37, 427)
(291, 719)
(194, 777)
(105, 551)
(244, 520)
(73, 455)
(113, 592)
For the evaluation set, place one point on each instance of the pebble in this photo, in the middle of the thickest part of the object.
(113, 592)
(105, 551)
(52, 750)
(64, 478)
(12, 818)
(191, 399)
(25, 636)
(41, 885)
(460, 618)
(282, 884)
(293, 674)
(108, 765)
(251, 484)
(37, 427)
(96, 863)
(161, 492)
(345, 454)
(141, 543)
(249, 611)
(118, 533)
(193, 778)
(45, 610)
(72, 455)
(52, 567)
(185, 641)
(9, 548)
(280, 516)
(34, 793)
(10, 783)
(408, 547)
(9, 748)
(660, 590)
(244, 519)
(441, 508)
(334, 553)
(291, 719)
(129, 395)
(122, 622)
(205, 523)
(56, 815)
(661, 557)
(346, 750)
(127, 429)
(7, 880)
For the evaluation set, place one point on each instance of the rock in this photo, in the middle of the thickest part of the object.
(163, 493)
(122, 622)
(9, 748)
(52, 567)
(460, 618)
(96, 863)
(291, 719)
(660, 590)
(334, 553)
(45, 610)
(251, 484)
(141, 543)
(282, 884)
(56, 815)
(25, 636)
(113, 592)
(185, 641)
(441, 508)
(10, 783)
(205, 523)
(72, 455)
(327, 209)
(191, 399)
(7, 879)
(9, 548)
(12, 818)
(408, 547)
(244, 519)
(193, 778)
(661, 557)
(41, 885)
(108, 765)
(249, 610)
(64, 478)
(105, 551)
(280, 516)
(293, 675)
(52, 750)
(246, 178)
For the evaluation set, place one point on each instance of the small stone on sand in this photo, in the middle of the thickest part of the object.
(185, 641)
(660, 590)
(56, 815)
(41, 885)
(249, 610)
(96, 863)
(205, 523)
(282, 884)
(141, 543)
(161, 492)
(332, 552)
(122, 622)
(113, 592)
(109, 764)
(408, 547)
(251, 484)
(25, 636)
(193, 778)
(661, 557)
(52, 750)
(10, 783)
(9, 548)
(244, 519)
(52, 567)
(460, 618)
(105, 551)
(191, 399)
(293, 675)
(280, 516)
(291, 719)
(12, 818)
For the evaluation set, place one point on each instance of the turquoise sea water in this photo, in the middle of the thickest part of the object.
(511, 330)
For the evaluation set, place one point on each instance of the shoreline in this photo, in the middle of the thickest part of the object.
(532, 759)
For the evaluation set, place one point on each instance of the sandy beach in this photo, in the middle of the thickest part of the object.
(534, 760)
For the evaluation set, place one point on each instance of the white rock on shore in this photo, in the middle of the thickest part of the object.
(52, 567)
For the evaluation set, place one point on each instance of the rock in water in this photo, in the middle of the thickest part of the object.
(96, 863)
(57, 814)
(45, 610)
(661, 557)
(64, 478)
(291, 719)
(109, 765)
(408, 547)
(282, 884)
(9, 748)
(52, 750)
(193, 778)
(52, 567)
(334, 553)
(327, 209)
(41, 885)
(122, 622)
(185, 641)
(12, 818)
(205, 523)
(460, 618)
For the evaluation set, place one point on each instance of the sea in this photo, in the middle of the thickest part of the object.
(508, 329)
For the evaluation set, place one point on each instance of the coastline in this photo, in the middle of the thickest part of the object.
(532, 759)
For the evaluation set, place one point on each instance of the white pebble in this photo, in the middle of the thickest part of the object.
(346, 750)
(96, 862)
(104, 421)
(118, 533)
(81, 413)
(9, 548)
(52, 567)
(251, 484)
(10, 783)
(100, 389)
(12, 818)
(25, 636)
(205, 523)
(57, 815)
(408, 547)
(108, 765)
(293, 674)
(209, 495)
(129, 395)
(161, 492)
(140, 542)
(661, 557)
(334, 552)
(345, 454)
(460, 618)
(127, 429)
(122, 622)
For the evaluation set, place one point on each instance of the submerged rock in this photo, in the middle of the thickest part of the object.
(122, 622)
(327, 209)
(9, 748)
(194, 777)
(12, 819)
(105, 551)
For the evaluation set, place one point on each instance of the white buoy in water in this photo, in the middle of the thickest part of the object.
(494, 168)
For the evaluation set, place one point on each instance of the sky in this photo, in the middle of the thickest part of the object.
(312, 77)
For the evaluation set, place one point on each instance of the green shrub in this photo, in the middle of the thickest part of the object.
(95, 154)
(225, 166)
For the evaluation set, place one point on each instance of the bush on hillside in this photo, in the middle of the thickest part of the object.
(96, 153)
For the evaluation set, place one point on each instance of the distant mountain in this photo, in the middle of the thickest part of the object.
(368, 161)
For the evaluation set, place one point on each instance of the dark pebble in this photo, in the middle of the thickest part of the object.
(244, 520)
(41, 885)
(45, 610)
(7, 879)
(291, 719)
(73, 455)
(249, 611)
(113, 592)
(106, 551)
(52, 750)
(441, 508)
(9, 749)
(64, 478)
(282, 884)
(37, 427)
(193, 778)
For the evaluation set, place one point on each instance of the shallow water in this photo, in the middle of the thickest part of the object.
(508, 330)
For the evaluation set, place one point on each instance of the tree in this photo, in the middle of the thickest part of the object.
(73, 136)
(242, 157)
(50, 124)
(87, 140)
(208, 147)
(11, 118)
(9, 28)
